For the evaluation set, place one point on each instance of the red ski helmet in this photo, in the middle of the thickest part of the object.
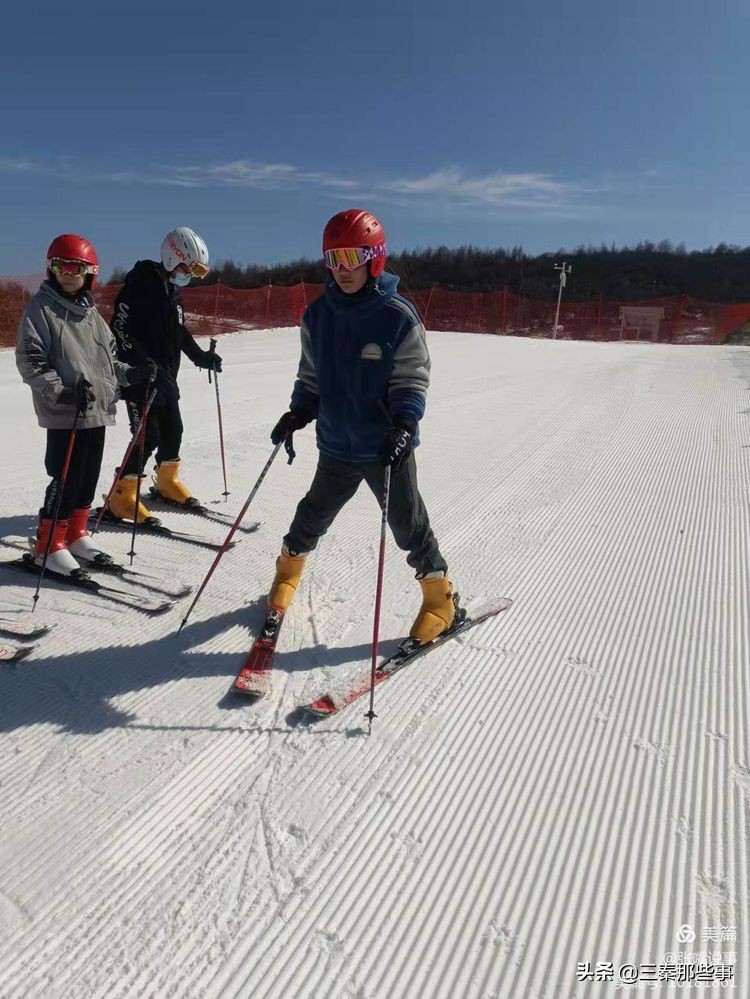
(72, 247)
(357, 228)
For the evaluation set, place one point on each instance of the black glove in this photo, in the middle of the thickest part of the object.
(139, 373)
(210, 360)
(80, 396)
(398, 444)
(295, 419)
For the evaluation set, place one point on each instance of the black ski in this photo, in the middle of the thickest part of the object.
(142, 579)
(24, 629)
(15, 653)
(201, 511)
(154, 527)
(82, 581)
(408, 652)
(108, 567)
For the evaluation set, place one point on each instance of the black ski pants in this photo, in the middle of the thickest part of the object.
(83, 471)
(163, 430)
(335, 483)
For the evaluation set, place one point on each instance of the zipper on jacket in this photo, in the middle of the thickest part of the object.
(92, 361)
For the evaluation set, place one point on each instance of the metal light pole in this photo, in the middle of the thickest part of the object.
(564, 269)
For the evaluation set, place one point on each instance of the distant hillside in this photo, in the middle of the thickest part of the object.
(720, 274)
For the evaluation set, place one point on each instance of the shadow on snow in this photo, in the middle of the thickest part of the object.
(74, 690)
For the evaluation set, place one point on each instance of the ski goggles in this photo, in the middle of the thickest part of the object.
(71, 268)
(350, 258)
(195, 269)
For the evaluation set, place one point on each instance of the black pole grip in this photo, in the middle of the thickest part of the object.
(211, 350)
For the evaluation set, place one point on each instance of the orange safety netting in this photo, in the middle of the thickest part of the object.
(215, 309)
(13, 299)
(680, 319)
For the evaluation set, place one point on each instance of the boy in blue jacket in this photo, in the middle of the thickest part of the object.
(363, 376)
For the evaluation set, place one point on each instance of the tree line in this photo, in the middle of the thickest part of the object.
(648, 270)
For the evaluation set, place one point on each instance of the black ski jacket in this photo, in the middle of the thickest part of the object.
(148, 322)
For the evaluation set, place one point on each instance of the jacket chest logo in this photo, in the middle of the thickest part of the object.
(372, 352)
(180, 315)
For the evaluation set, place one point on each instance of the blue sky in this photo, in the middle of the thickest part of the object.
(541, 124)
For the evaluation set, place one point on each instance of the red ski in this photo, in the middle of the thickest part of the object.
(254, 679)
(408, 651)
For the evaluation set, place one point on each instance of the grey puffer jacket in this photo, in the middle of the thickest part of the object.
(59, 340)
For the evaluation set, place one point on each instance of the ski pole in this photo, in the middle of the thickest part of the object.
(221, 425)
(378, 594)
(58, 501)
(128, 450)
(141, 452)
(228, 539)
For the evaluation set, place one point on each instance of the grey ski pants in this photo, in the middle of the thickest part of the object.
(335, 483)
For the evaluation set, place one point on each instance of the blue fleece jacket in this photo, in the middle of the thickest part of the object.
(364, 366)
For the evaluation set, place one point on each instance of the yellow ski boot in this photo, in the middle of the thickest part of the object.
(170, 487)
(438, 608)
(288, 571)
(122, 501)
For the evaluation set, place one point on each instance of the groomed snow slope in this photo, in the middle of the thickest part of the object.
(569, 783)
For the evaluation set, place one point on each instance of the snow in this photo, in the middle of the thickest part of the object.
(568, 783)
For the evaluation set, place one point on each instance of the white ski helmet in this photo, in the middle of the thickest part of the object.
(183, 246)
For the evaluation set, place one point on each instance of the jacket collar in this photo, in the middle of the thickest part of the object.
(150, 270)
(375, 294)
(74, 308)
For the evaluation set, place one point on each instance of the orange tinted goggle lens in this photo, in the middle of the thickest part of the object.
(197, 269)
(349, 258)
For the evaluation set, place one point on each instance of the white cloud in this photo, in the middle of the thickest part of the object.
(450, 188)
(21, 164)
(531, 191)
(244, 173)
(235, 173)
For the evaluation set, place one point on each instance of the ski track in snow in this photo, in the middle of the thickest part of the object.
(567, 783)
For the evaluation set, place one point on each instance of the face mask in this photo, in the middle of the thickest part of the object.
(181, 280)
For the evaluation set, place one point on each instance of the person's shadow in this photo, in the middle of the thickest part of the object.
(75, 690)
(21, 525)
